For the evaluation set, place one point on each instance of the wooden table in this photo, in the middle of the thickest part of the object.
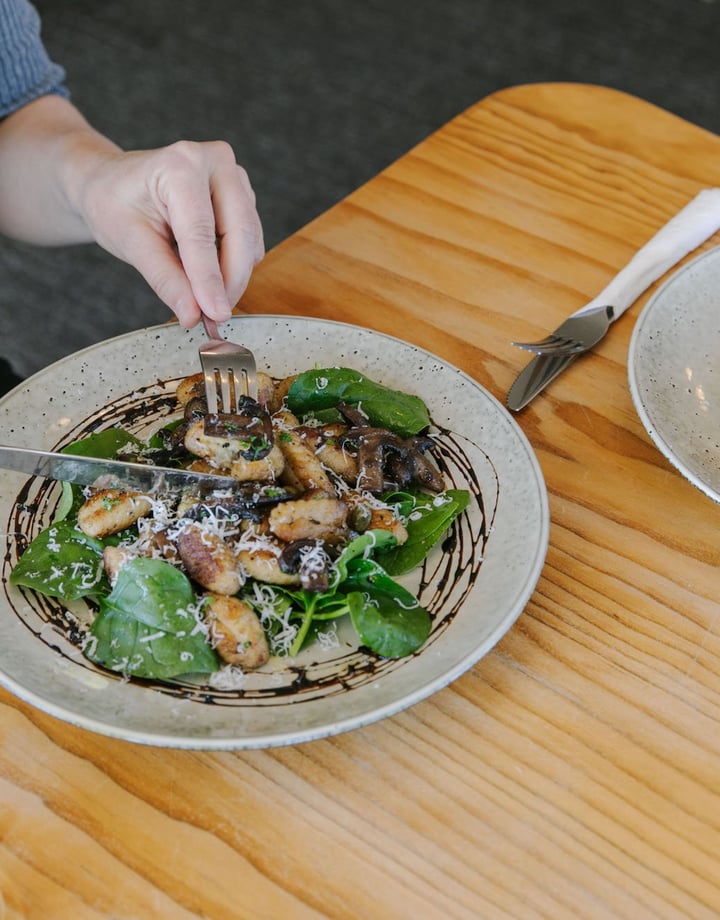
(573, 772)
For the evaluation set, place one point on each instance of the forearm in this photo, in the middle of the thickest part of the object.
(183, 215)
(47, 150)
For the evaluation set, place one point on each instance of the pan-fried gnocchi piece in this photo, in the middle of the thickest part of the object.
(193, 387)
(112, 510)
(209, 560)
(190, 388)
(281, 391)
(264, 565)
(237, 635)
(325, 444)
(303, 469)
(223, 453)
(310, 519)
(266, 390)
(114, 558)
(267, 469)
(384, 519)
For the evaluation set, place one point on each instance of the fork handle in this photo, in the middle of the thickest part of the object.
(690, 227)
(211, 329)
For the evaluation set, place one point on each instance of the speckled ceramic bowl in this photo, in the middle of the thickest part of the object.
(475, 586)
(674, 371)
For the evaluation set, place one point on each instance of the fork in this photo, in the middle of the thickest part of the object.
(229, 370)
(577, 334)
(690, 227)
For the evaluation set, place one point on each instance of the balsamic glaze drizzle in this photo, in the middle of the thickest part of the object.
(446, 578)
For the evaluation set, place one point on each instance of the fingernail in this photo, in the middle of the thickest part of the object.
(221, 308)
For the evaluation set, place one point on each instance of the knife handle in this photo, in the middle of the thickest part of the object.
(690, 227)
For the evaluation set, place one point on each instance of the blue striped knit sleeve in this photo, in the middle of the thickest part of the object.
(26, 71)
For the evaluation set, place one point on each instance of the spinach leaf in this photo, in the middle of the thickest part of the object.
(427, 518)
(146, 626)
(367, 543)
(285, 604)
(62, 562)
(310, 608)
(387, 617)
(126, 645)
(157, 440)
(102, 444)
(316, 607)
(315, 390)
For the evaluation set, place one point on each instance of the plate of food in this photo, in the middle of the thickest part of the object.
(389, 525)
(674, 371)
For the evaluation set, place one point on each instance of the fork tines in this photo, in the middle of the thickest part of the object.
(223, 382)
(229, 372)
(578, 333)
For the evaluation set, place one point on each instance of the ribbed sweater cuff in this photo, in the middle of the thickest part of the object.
(26, 71)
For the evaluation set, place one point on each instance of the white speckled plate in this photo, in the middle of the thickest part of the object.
(475, 586)
(674, 371)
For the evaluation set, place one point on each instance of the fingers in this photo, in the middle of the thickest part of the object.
(238, 228)
(158, 262)
(185, 217)
(212, 216)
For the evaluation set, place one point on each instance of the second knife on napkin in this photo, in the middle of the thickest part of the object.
(690, 227)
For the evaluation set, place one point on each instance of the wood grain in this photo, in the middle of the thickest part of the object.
(572, 773)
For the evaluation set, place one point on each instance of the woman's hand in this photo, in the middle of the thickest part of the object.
(185, 217)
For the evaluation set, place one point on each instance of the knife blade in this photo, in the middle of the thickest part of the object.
(534, 377)
(87, 470)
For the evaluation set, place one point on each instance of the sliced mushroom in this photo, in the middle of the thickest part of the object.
(229, 509)
(354, 414)
(387, 460)
(420, 469)
(249, 502)
(310, 561)
(372, 444)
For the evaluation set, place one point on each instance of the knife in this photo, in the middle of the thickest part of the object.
(690, 227)
(87, 470)
(534, 377)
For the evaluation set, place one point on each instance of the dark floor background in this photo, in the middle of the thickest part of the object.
(316, 97)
